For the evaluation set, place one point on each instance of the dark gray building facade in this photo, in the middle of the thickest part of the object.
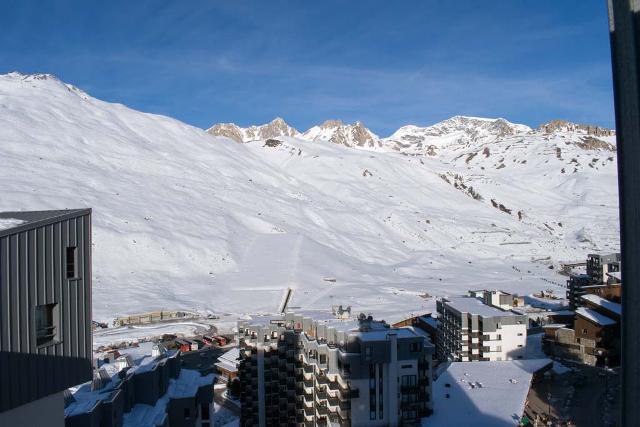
(45, 310)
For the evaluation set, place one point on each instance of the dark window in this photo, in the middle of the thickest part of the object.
(72, 262)
(323, 358)
(187, 413)
(346, 368)
(46, 324)
(414, 347)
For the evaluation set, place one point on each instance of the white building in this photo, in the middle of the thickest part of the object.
(469, 330)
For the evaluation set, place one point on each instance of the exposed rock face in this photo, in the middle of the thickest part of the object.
(457, 132)
(351, 135)
(276, 128)
(229, 130)
(563, 125)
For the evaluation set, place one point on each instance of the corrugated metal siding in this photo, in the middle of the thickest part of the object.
(32, 273)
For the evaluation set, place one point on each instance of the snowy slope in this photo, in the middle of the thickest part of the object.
(186, 220)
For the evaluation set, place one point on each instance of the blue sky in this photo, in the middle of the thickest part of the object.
(387, 63)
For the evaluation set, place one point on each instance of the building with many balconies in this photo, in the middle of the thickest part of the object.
(313, 368)
(469, 330)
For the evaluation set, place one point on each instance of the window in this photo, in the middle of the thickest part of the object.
(408, 380)
(372, 392)
(584, 331)
(323, 358)
(46, 317)
(72, 262)
(519, 334)
(346, 368)
(414, 347)
(187, 414)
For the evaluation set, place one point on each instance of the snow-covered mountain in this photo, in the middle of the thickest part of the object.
(277, 127)
(350, 135)
(456, 131)
(186, 220)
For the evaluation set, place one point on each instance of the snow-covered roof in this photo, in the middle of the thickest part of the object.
(381, 334)
(475, 306)
(232, 355)
(554, 325)
(186, 385)
(10, 220)
(6, 223)
(595, 317)
(227, 366)
(558, 313)
(229, 360)
(615, 274)
(482, 394)
(610, 306)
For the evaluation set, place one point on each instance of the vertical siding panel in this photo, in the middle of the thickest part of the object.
(14, 297)
(64, 285)
(56, 285)
(32, 279)
(23, 287)
(87, 283)
(81, 314)
(41, 265)
(48, 273)
(73, 294)
(5, 321)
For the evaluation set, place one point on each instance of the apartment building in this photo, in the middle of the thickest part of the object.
(577, 285)
(598, 266)
(45, 313)
(315, 368)
(469, 330)
(580, 285)
(151, 391)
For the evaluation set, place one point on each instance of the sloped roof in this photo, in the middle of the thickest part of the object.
(595, 317)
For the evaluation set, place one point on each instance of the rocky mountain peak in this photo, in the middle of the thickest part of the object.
(276, 128)
(351, 135)
(330, 124)
(566, 126)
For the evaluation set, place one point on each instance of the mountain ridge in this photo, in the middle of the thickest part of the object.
(185, 220)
